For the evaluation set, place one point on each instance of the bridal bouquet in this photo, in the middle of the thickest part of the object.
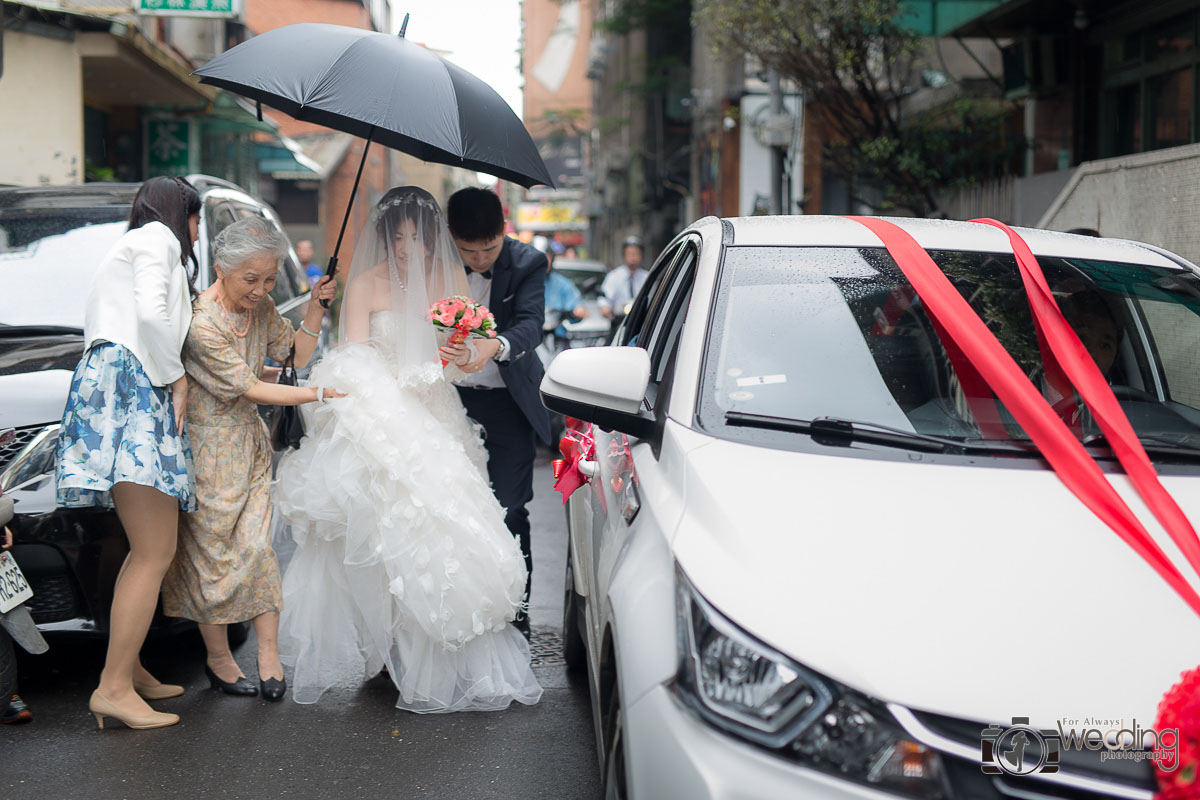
(464, 318)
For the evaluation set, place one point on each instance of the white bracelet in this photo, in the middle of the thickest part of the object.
(310, 333)
(320, 394)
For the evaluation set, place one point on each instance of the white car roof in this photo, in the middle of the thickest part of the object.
(935, 234)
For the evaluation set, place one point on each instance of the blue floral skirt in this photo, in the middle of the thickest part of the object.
(118, 427)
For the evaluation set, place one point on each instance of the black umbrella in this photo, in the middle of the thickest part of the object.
(385, 89)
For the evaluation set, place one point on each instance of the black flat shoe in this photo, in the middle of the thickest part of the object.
(242, 686)
(273, 689)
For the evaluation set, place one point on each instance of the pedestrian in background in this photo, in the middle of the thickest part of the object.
(122, 442)
(225, 570)
(622, 283)
(312, 272)
(562, 296)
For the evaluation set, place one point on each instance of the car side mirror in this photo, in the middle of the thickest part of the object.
(601, 385)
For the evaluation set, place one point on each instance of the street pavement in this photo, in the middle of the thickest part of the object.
(352, 744)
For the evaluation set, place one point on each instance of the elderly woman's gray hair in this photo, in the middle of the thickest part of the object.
(246, 239)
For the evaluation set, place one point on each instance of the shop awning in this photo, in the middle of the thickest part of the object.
(283, 159)
(1015, 18)
(232, 114)
(941, 17)
(121, 67)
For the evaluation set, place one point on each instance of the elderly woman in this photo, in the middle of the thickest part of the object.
(225, 569)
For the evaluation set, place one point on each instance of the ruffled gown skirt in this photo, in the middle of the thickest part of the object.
(403, 559)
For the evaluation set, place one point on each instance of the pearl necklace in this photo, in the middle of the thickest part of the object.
(240, 334)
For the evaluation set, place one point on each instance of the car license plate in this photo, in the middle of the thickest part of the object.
(14, 589)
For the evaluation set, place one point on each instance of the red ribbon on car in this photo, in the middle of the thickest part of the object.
(576, 445)
(1072, 360)
(1073, 465)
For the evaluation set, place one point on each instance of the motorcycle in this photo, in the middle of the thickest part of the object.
(16, 623)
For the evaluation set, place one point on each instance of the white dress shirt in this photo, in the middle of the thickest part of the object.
(488, 377)
(139, 299)
(620, 286)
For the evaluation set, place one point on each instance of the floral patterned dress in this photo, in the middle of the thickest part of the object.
(119, 428)
(225, 569)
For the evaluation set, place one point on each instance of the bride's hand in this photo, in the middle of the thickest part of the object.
(456, 354)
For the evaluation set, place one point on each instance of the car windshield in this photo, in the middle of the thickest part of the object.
(802, 333)
(586, 277)
(46, 261)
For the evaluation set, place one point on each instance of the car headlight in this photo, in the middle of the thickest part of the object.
(35, 460)
(745, 688)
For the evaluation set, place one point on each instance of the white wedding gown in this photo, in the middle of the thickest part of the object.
(403, 559)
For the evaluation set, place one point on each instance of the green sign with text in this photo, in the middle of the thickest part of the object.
(168, 147)
(189, 8)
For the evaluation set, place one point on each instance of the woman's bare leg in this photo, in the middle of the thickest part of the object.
(141, 675)
(151, 522)
(220, 657)
(266, 630)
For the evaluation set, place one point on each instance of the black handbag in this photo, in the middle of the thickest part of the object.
(287, 427)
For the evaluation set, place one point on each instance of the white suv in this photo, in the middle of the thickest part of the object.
(799, 567)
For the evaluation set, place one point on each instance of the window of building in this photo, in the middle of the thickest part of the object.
(1149, 87)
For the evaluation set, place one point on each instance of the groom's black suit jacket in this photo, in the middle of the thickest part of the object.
(519, 305)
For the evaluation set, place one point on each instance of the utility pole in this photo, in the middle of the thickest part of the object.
(775, 95)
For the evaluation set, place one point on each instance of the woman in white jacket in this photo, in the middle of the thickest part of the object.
(122, 442)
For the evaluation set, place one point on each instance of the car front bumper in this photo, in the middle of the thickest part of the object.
(671, 753)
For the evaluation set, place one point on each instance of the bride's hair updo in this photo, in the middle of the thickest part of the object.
(410, 203)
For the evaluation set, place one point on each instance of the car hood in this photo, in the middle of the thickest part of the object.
(977, 592)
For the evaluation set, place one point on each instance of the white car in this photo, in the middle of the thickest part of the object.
(799, 567)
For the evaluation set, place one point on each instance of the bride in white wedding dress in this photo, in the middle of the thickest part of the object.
(402, 557)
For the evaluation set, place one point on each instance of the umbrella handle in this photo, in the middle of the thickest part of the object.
(329, 271)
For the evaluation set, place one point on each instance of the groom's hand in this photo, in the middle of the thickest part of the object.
(486, 350)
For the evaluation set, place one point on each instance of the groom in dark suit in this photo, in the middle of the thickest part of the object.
(500, 391)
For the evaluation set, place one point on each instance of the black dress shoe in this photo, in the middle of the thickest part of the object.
(242, 686)
(272, 688)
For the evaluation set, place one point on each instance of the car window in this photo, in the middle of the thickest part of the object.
(634, 321)
(804, 332)
(666, 318)
(1176, 340)
(219, 214)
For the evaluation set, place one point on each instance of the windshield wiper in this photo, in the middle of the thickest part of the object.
(23, 331)
(1154, 445)
(838, 432)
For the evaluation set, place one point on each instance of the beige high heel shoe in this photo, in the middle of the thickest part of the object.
(159, 691)
(102, 707)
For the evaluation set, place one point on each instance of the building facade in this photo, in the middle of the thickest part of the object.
(557, 106)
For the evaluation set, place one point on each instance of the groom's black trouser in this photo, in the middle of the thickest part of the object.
(511, 449)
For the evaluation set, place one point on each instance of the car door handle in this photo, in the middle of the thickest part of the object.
(589, 469)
